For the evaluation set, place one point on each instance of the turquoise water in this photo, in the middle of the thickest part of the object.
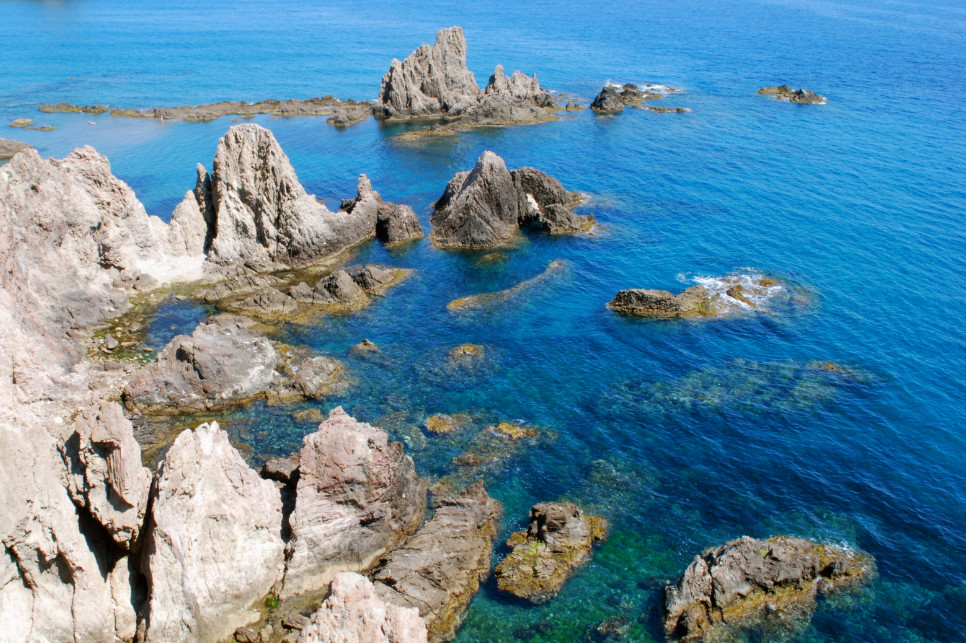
(683, 434)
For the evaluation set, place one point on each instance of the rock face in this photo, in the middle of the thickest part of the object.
(485, 207)
(9, 147)
(660, 304)
(224, 361)
(440, 568)
(358, 495)
(784, 92)
(559, 539)
(747, 579)
(104, 472)
(262, 213)
(352, 613)
(394, 223)
(433, 81)
(215, 542)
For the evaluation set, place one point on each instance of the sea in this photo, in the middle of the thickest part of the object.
(833, 409)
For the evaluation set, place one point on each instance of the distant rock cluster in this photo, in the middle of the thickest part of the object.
(784, 92)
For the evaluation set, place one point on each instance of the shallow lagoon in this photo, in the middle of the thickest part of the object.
(684, 434)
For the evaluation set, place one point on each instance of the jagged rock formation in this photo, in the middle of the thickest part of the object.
(485, 207)
(440, 568)
(747, 579)
(104, 472)
(358, 495)
(560, 539)
(433, 81)
(660, 304)
(608, 100)
(214, 544)
(9, 147)
(784, 92)
(394, 223)
(352, 613)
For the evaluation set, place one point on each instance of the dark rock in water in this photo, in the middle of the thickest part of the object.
(560, 538)
(784, 92)
(614, 628)
(608, 100)
(745, 580)
(485, 207)
(284, 470)
(662, 304)
(440, 568)
(9, 147)
(612, 99)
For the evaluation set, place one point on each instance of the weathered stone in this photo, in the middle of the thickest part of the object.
(284, 470)
(560, 539)
(745, 580)
(353, 613)
(394, 223)
(215, 544)
(318, 377)
(246, 635)
(104, 472)
(440, 568)
(376, 280)
(358, 495)
(294, 621)
(662, 304)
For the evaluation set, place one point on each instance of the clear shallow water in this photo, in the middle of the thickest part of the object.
(683, 434)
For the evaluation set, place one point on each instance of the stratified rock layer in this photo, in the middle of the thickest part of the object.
(215, 544)
(353, 613)
(748, 579)
(485, 207)
(560, 539)
(440, 568)
(358, 495)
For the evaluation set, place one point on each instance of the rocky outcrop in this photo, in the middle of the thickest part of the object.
(485, 207)
(433, 81)
(608, 100)
(104, 472)
(660, 304)
(747, 580)
(560, 539)
(394, 223)
(353, 613)
(440, 568)
(214, 546)
(716, 297)
(358, 495)
(9, 147)
(784, 92)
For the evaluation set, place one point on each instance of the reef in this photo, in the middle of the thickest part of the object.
(484, 208)
(784, 92)
(559, 539)
(712, 297)
(746, 581)
(613, 98)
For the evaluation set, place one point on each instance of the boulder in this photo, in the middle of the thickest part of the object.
(485, 207)
(440, 568)
(104, 472)
(284, 470)
(9, 147)
(560, 539)
(660, 304)
(358, 496)
(223, 362)
(746, 580)
(318, 376)
(214, 546)
(353, 613)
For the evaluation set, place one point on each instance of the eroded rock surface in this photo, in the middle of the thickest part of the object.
(353, 613)
(394, 223)
(358, 495)
(485, 207)
(784, 92)
(440, 568)
(661, 304)
(748, 579)
(560, 539)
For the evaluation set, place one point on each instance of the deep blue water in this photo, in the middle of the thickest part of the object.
(684, 434)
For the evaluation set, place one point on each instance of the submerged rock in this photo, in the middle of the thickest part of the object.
(560, 538)
(660, 304)
(784, 92)
(215, 544)
(485, 207)
(474, 302)
(353, 613)
(745, 580)
(439, 569)
(358, 495)
(442, 424)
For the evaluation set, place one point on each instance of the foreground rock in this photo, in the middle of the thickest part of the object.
(784, 92)
(746, 580)
(433, 82)
(353, 613)
(660, 304)
(215, 545)
(358, 496)
(485, 207)
(104, 472)
(440, 568)
(9, 147)
(560, 539)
